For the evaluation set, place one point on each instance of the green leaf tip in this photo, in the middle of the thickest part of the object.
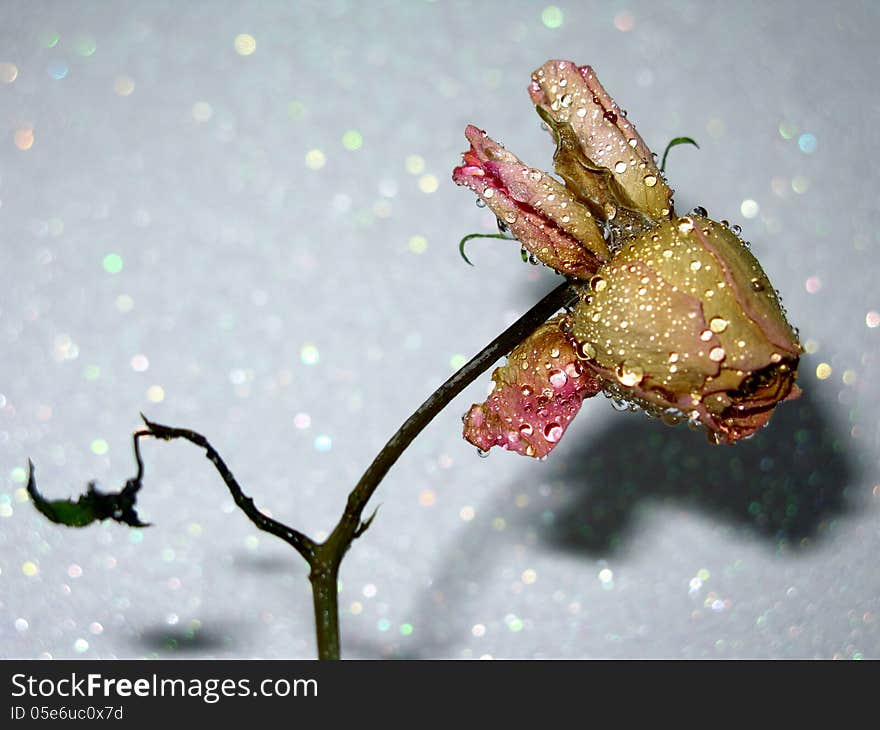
(91, 506)
(674, 142)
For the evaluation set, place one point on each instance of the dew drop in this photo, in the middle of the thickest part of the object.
(718, 325)
(706, 335)
(619, 405)
(481, 203)
(685, 225)
(554, 353)
(650, 180)
(696, 265)
(488, 192)
(757, 285)
(717, 354)
(526, 429)
(510, 217)
(582, 112)
(553, 432)
(526, 391)
(597, 283)
(558, 378)
(672, 416)
(630, 374)
(620, 167)
(482, 454)
(586, 351)
(565, 101)
(700, 211)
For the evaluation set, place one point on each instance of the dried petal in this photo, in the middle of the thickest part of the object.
(541, 212)
(536, 395)
(684, 318)
(574, 103)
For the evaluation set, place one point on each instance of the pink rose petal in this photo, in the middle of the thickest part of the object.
(537, 394)
(550, 222)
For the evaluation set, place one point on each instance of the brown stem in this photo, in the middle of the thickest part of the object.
(325, 558)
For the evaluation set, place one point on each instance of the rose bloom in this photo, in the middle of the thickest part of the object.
(674, 314)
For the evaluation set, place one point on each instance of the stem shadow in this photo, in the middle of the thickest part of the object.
(163, 641)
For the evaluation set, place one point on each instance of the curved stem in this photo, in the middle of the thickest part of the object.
(351, 525)
(304, 545)
(440, 398)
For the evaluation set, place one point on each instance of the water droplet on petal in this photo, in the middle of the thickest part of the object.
(558, 378)
(620, 168)
(717, 354)
(553, 432)
(597, 283)
(630, 374)
(718, 325)
(481, 203)
(488, 192)
(586, 351)
(650, 180)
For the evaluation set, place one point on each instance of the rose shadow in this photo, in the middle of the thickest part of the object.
(783, 484)
(783, 487)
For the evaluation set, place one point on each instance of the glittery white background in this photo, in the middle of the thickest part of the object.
(259, 243)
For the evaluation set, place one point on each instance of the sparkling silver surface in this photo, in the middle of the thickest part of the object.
(238, 218)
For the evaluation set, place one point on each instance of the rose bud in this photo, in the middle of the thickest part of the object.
(684, 323)
(546, 217)
(599, 152)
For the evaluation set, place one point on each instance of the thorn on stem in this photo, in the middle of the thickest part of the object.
(365, 525)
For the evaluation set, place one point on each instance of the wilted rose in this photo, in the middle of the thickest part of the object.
(675, 315)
